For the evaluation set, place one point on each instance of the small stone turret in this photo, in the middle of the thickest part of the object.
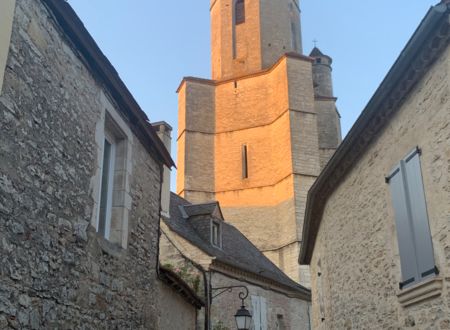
(323, 83)
(328, 118)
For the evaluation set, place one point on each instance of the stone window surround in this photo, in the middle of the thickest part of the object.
(6, 20)
(112, 125)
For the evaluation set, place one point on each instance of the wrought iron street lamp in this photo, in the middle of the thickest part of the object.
(242, 316)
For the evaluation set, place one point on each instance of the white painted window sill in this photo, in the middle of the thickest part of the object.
(425, 290)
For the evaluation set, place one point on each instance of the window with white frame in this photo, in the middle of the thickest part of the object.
(411, 217)
(113, 200)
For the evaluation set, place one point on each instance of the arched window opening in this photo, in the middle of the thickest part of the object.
(239, 12)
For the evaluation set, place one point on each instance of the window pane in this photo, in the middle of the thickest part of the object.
(104, 188)
(215, 234)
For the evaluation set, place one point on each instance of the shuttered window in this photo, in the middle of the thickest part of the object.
(259, 313)
(239, 12)
(413, 230)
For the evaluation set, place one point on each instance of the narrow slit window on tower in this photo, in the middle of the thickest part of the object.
(294, 42)
(239, 12)
(244, 162)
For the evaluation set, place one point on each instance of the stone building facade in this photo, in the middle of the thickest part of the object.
(211, 260)
(256, 136)
(80, 180)
(377, 222)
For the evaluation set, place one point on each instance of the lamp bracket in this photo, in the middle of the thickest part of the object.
(243, 294)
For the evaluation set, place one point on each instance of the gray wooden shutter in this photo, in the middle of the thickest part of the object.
(405, 234)
(419, 215)
(256, 309)
(263, 313)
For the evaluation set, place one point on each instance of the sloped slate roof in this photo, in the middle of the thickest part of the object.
(316, 52)
(237, 251)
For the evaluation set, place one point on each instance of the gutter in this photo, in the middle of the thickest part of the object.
(354, 138)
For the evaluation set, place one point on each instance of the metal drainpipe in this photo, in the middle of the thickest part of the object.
(161, 169)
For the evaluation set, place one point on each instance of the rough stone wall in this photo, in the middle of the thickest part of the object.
(295, 312)
(55, 271)
(356, 249)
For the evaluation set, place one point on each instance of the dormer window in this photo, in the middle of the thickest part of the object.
(216, 238)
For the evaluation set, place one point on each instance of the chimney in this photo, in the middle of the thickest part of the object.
(164, 131)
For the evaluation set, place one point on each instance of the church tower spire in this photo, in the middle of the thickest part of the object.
(255, 137)
(251, 35)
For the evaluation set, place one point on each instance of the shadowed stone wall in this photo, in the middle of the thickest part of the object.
(55, 271)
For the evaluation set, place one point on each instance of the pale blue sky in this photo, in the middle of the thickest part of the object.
(153, 44)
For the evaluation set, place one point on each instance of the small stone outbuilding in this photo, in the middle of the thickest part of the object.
(376, 232)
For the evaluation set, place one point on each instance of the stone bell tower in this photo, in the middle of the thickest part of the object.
(251, 138)
(249, 36)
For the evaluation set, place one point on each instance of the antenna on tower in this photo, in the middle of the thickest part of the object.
(315, 41)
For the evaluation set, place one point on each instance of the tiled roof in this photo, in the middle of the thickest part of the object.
(237, 251)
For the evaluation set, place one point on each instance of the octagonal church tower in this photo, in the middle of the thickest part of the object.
(256, 135)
